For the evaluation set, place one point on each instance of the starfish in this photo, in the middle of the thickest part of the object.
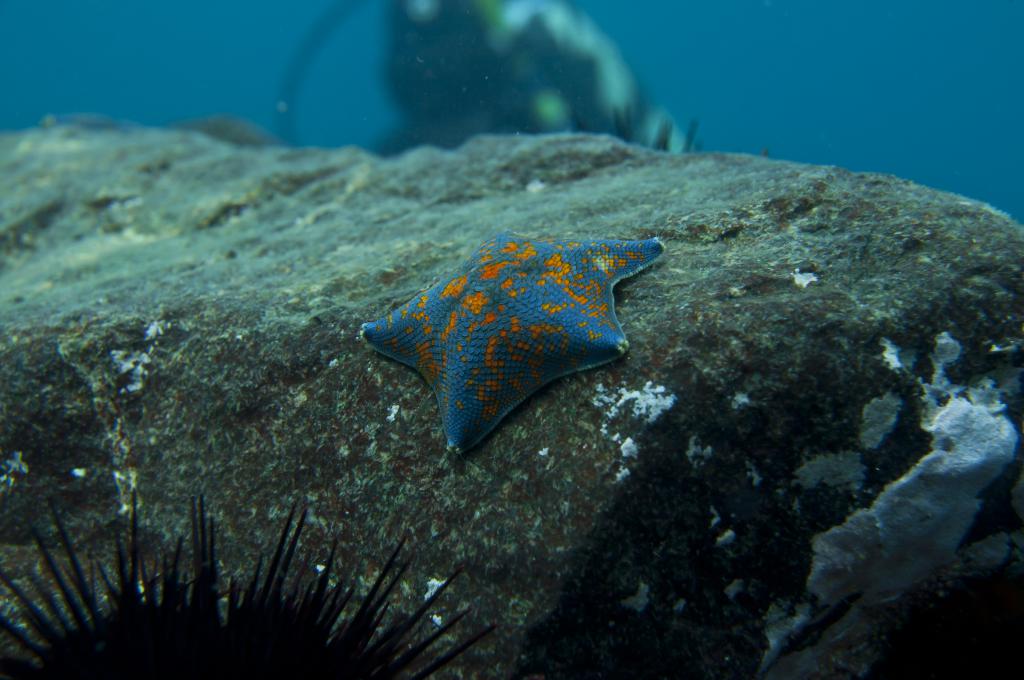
(516, 315)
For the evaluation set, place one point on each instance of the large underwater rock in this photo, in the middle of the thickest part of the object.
(814, 434)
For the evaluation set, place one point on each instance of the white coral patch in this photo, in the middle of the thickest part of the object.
(10, 469)
(697, 454)
(739, 400)
(736, 587)
(917, 522)
(639, 600)
(646, 403)
(891, 355)
(753, 475)
(838, 470)
(804, 279)
(877, 419)
(154, 330)
(432, 585)
(727, 537)
(134, 365)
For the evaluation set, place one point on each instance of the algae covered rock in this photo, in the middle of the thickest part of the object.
(815, 429)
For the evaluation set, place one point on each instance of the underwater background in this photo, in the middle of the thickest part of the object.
(930, 91)
(807, 463)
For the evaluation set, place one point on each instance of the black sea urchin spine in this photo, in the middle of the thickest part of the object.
(167, 625)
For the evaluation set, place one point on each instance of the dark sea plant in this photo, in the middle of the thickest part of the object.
(161, 622)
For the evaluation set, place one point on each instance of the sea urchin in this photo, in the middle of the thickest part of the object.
(163, 623)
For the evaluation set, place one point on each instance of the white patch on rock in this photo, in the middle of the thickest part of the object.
(126, 483)
(134, 365)
(10, 469)
(985, 393)
(753, 475)
(432, 585)
(735, 588)
(778, 624)
(894, 357)
(917, 522)
(739, 400)
(647, 403)
(639, 600)
(727, 537)
(947, 351)
(838, 470)
(877, 419)
(154, 330)
(696, 454)
(804, 279)
(988, 553)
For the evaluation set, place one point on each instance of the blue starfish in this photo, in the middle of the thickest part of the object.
(515, 316)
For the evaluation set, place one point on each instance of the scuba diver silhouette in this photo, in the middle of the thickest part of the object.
(457, 68)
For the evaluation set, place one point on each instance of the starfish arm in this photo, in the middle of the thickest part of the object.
(405, 335)
(515, 369)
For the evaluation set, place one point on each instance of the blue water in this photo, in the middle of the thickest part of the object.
(928, 90)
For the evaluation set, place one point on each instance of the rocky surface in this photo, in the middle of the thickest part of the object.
(815, 430)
